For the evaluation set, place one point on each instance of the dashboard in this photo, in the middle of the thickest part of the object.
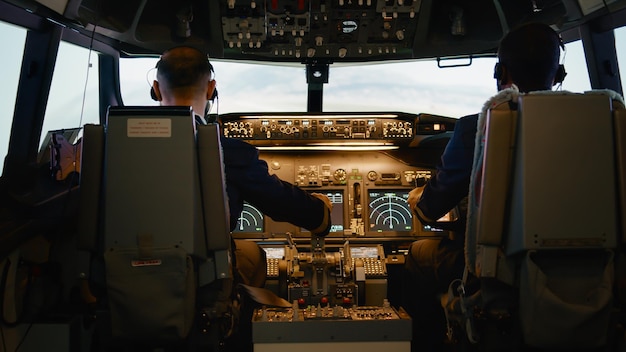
(369, 192)
(365, 163)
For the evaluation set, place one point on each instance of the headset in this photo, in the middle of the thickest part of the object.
(559, 75)
(213, 97)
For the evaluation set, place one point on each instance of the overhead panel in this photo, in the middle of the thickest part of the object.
(317, 29)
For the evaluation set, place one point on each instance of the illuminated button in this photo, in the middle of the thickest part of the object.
(347, 300)
(324, 300)
(301, 301)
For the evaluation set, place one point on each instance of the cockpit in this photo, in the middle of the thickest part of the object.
(339, 98)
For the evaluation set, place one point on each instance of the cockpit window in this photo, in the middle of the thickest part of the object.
(242, 87)
(577, 79)
(136, 76)
(414, 87)
(256, 87)
(620, 46)
(423, 87)
(73, 99)
(13, 39)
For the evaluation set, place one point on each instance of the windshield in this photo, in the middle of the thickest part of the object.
(413, 87)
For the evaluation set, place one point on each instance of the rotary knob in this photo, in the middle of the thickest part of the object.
(340, 175)
(372, 176)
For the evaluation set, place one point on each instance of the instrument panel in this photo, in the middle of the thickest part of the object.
(369, 192)
(263, 129)
(349, 158)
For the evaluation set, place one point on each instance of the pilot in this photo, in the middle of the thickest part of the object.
(184, 78)
(529, 59)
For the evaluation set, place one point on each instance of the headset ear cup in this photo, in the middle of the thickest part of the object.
(153, 94)
(497, 71)
(560, 74)
(214, 95)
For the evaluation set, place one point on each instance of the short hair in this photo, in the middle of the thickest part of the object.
(531, 54)
(183, 67)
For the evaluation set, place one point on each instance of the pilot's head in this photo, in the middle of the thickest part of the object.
(184, 77)
(529, 58)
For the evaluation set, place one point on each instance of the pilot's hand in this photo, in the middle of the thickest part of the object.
(324, 198)
(414, 197)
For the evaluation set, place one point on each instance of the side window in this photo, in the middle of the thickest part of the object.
(620, 47)
(13, 39)
(73, 99)
(577, 79)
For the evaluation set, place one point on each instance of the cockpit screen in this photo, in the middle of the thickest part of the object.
(389, 210)
(336, 214)
(250, 220)
(274, 252)
(448, 218)
(364, 252)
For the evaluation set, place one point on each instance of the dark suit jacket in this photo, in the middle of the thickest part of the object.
(247, 178)
(450, 184)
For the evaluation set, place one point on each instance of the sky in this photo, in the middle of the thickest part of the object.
(413, 87)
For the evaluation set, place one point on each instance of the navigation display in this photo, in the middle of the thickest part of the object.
(250, 220)
(388, 210)
(442, 222)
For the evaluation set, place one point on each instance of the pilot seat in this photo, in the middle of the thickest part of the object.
(546, 221)
(155, 223)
